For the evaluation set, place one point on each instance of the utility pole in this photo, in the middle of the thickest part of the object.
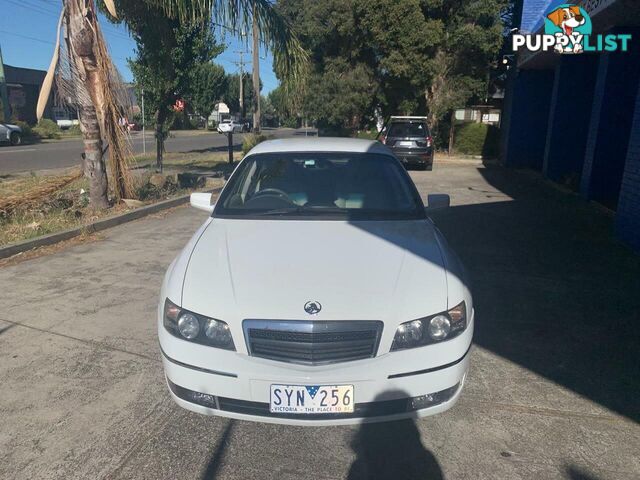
(256, 72)
(144, 141)
(6, 109)
(241, 64)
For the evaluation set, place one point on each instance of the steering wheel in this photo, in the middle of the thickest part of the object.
(272, 192)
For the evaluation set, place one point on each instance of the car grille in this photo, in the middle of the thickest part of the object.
(312, 343)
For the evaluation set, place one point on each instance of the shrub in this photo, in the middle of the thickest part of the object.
(27, 131)
(74, 130)
(251, 141)
(47, 129)
(477, 139)
(367, 134)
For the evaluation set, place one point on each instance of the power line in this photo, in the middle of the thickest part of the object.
(47, 42)
(27, 37)
(107, 28)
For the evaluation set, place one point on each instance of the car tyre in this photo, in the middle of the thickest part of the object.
(15, 138)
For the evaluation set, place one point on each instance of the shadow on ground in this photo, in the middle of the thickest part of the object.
(392, 450)
(237, 147)
(553, 291)
(217, 456)
(384, 451)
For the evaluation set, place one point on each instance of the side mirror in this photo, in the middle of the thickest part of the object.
(438, 201)
(202, 201)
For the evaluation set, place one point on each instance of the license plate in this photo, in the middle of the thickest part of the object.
(405, 144)
(309, 399)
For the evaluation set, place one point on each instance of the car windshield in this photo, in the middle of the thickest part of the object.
(408, 129)
(320, 185)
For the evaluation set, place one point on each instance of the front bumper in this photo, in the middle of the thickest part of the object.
(236, 385)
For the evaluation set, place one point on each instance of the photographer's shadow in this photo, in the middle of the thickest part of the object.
(392, 450)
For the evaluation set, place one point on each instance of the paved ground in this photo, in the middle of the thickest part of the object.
(552, 392)
(66, 153)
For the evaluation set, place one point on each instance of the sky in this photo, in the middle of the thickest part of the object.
(28, 31)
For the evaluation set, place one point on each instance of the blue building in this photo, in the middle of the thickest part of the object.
(576, 118)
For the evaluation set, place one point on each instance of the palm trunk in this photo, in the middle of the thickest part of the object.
(81, 16)
(93, 165)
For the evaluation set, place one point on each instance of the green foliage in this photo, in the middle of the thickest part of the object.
(250, 141)
(169, 54)
(27, 130)
(74, 130)
(231, 95)
(47, 129)
(280, 108)
(342, 93)
(402, 57)
(367, 134)
(209, 86)
(477, 139)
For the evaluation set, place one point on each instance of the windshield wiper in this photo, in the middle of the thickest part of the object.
(316, 209)
(280, 211)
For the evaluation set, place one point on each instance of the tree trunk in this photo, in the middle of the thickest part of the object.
(159, 150)
(81, 17)
(160, 119)
(93, 162)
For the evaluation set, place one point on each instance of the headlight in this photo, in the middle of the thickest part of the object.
(196, 328)
(433, 329)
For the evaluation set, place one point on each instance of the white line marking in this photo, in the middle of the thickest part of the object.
(18, 151)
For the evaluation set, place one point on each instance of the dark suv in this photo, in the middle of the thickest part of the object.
(410, 140)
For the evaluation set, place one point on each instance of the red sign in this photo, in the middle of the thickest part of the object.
(179, 106)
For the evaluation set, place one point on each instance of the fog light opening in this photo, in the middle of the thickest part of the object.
(432, 399)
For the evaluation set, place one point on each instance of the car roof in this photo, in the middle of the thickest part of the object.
(321, 144)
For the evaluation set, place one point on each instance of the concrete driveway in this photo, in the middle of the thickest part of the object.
(552, 392)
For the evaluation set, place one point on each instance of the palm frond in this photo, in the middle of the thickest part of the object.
(290, 59)
(47, 84)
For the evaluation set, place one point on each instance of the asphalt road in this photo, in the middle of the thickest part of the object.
(552, 390)
(66, 153)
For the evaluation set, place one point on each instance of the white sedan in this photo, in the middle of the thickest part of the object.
(318, 292)
(10, 133)
(226, 126)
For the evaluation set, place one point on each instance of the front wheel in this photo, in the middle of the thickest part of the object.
(15, 138)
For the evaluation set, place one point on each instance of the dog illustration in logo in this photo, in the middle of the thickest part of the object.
(568, 19)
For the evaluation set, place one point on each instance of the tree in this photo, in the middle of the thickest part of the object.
(412, 56)
(167, 62)
(209, 86)
(87, 77)
(93, 76)
(231, 96)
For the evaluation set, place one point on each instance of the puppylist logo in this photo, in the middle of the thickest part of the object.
(568, 30)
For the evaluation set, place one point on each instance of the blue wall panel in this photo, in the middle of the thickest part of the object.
(628, 213)
(524, 144)
(569, 116)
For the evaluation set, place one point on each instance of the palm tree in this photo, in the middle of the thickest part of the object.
(92, 79)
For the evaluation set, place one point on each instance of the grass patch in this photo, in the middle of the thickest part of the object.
(367, 134)
(63, 209)
(68, 207)
(186, 161)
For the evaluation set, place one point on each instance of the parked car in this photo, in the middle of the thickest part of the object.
(228, 125)
(64, 118)
(410, 140)
(247, 126)
(318, 292)
(10, 133)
